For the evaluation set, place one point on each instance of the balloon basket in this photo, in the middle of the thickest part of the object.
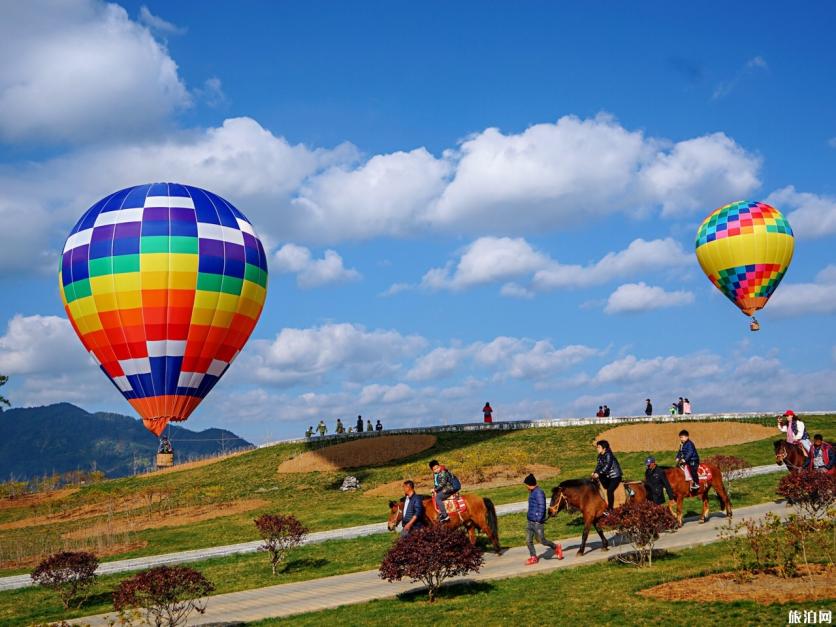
(165, 460)
(754, 325)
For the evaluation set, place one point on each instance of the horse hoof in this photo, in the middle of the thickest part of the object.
(605, 548)
(579, 553)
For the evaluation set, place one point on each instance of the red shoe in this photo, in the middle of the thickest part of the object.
(558, 552)
(532, 560)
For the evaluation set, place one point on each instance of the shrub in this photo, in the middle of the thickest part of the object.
(167, 594)
(281, 534)
(733, 468)
(641, 522)
(431, 555)
(810, 491)
(69, 573)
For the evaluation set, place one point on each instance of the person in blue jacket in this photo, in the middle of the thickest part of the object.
(413, 509)
(688, 456)
(536, 519)
(607, 471)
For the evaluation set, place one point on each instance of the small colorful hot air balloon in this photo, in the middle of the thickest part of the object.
(163, 283)
(745, 248)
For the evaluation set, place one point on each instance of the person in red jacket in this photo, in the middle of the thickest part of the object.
(822, 456)
(487, 410)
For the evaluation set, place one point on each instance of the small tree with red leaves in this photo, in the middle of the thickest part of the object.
(431, 555)
(812, 492)
(641, 522)
(69, 573)
(167, 594)
(281, 534)
(733, 468)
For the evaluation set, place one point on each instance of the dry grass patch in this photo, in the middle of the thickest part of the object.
(190, 465)
(114, 549)
(171, 518)
(762, 588)
(659, 436)
(37, 498)
(478, 478)
(359, 453)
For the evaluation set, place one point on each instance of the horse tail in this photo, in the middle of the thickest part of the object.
(492, 521)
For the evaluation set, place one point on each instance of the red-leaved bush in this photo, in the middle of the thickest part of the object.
(641, 522)
(810, 491)
(431, 555)
(281, 534)
(69, 573)
(167, 594)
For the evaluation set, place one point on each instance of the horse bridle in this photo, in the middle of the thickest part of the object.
(554, 509)
(781, 456)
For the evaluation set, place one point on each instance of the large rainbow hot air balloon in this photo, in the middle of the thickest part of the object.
(744, 249)
(163, 283)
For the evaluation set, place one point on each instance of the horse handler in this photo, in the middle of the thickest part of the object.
(536, 521)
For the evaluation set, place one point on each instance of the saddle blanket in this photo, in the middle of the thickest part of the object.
(703, 472)
(454, 505)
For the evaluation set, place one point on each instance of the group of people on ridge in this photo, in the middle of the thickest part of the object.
(603, 412)
(339, 429)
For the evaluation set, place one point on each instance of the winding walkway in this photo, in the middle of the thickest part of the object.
(328, 592)
(138, 563)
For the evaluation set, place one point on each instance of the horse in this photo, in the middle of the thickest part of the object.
(583, 495)
(480, 514)
(682, 490)
(790, 455)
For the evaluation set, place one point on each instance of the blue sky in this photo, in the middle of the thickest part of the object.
(462, 202)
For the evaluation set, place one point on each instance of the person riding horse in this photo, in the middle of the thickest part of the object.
(795, 429)
(607, 471)
(445, 485)
(688, 456)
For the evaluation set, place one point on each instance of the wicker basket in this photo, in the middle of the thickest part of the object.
(164, 460)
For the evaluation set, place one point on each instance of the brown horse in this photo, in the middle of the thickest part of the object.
(480, 514)
(790, 455)
(682, 490)
(584, 496)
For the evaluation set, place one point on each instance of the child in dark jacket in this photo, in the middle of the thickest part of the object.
(688, 456)
(536, 520)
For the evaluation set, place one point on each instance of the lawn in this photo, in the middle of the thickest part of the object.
(313, 497)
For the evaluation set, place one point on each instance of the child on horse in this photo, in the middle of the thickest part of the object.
(607, 471)
(796, 430)
(688, 456)
(446, 485)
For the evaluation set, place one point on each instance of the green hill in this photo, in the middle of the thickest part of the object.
(36, 441)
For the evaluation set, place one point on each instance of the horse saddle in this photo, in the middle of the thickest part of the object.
(454, 504)
(703, 472)
(624, 492)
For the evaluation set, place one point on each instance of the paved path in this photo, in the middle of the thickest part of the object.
(330, 592)
(346, 533)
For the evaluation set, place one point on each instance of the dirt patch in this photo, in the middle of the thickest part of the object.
(114, 549)
(358, 453)
(172, 518)
(480, 478)
(654, 437)
(110, 506)
(31, 500)
(763, 588)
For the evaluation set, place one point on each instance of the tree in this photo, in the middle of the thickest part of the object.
(641, 522)
(281, 534)
(167, 594)
(812, 492)
(431, 555)
(68, 573)
(3, 400)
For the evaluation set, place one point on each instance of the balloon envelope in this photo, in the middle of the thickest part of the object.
(744, 249)
(163, 283)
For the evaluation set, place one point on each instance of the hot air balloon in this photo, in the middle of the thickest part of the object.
(745, 248)
(163, 283)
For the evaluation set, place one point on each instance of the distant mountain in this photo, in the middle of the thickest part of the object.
(35, 441)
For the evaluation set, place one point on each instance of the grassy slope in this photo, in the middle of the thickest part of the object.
(314, 499)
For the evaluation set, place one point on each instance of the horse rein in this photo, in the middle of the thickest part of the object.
(554, 509)
(781, 458)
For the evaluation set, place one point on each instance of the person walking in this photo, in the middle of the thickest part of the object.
(321, 428)
(680, 406)
(487, 411)
(309, 432)
(606, 411)
(686, 406)
(600, 413)
(359, 424)
(657, 482)
(648, 409)
(378, 426)
(822, 456)
(413, 509)
(340, 429)
(537, 520)
(607, 471)
(369, 427)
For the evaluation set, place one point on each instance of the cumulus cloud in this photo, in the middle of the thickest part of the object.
(156, 23)
(635, 297)
(82, 70)
(631, 368)
(810, 215)
(494, 259)
(801, 299)
(311, 272)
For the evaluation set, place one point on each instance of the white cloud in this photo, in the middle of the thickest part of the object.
(158, 24)
(439, 362)
(727, 87)
(311, 355)
(802, 299)
(811, 215)
(212, 92)
(82, 70)
(632, 369)
(515, 290)
(832, 142)
(310, 272)
(396, 288)
(377, 393)
(634, 297)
